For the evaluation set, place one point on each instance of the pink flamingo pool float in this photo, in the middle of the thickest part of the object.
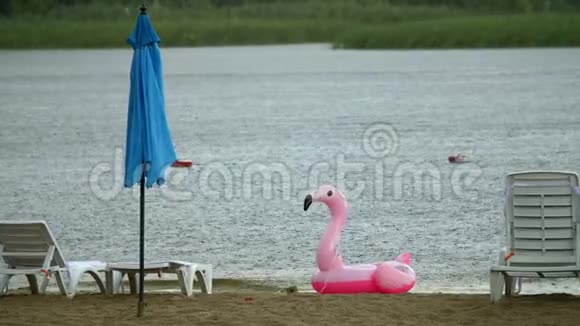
(332, 276)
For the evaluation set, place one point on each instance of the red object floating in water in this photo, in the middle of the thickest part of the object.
(459, 158)
(248, 299)
(182, 164)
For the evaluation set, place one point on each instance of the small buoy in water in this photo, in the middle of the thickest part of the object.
(457, 158)
(182, 164)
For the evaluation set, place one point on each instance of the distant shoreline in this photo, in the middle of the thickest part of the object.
(456, 32)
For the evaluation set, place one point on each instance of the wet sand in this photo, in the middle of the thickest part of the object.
(280, 308)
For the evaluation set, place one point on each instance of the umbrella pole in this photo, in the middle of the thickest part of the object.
(141, 305)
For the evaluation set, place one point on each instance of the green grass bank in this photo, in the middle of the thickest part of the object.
(364, 24)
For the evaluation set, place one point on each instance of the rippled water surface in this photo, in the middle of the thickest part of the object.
(267, 125)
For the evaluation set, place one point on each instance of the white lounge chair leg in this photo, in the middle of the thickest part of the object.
(44, 284)
(98, 280)
(114, 280)
(204, 275)
(518, 283)
(190, 278)
(134, 283)
(496, 282)
(4, 281)
(33, 283)
(109, 281)
(60, 282)
(209, 279)
(185, 275)
(118, 285)
(74, 277)
(181, 280)
(509, 285)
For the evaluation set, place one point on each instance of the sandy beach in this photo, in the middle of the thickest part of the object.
(268, 308)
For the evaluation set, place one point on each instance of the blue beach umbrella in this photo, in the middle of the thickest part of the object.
(149, 149)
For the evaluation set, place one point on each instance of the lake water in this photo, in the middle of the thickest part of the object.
(267, 125)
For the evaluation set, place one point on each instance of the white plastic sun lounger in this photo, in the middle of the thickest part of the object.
(542, 229)
(186, 272)
(29, 248)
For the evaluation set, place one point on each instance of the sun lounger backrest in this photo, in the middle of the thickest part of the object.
(541, 217)
(27, 244)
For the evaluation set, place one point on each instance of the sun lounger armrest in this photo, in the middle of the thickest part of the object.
(98, 266)
(558, 269)
(27, 271)
(180, 263)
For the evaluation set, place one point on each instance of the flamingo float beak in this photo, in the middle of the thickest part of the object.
(307, 202)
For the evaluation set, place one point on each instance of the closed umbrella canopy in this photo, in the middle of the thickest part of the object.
(148, 137)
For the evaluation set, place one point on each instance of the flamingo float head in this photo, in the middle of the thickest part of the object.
(328, 195)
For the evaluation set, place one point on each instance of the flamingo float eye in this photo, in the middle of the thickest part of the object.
(329, 193)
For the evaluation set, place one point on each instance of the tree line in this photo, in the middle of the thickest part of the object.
(42, 7)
